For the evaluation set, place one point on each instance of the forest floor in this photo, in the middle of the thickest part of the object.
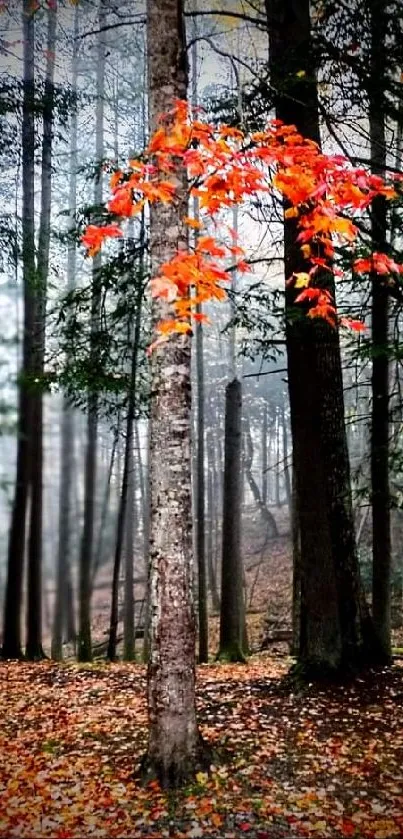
(325, 762)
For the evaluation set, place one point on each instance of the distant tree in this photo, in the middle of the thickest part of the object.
(34, 648)
(12, 647)
(84, 649)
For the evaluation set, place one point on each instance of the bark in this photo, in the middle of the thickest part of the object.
(61, 608)
(380, 492)
(16, 547)
(34, 648)
(336, 631)
(86, 552)
(233, 643)
(175, 750)
(296, 571)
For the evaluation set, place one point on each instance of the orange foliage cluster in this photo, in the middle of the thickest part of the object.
(224, 167)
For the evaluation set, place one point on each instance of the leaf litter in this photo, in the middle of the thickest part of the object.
(323, 762)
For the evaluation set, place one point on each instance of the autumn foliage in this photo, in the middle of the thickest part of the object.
(224, 166)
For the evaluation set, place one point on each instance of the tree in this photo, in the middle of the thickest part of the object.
(60, 622)
(175, 750)
(34, 648)
(233, 641)
(128, 462)
(86, 551)
(335, 629)
(16, 548)
(380, 493)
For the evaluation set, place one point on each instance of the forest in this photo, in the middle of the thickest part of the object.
(201, 488)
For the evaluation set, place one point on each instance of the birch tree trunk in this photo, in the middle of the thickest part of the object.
(175, 750)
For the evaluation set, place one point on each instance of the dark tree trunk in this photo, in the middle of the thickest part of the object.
(129, 651)
(336, 631)
(61, 620)
(16, 547)
(175, 750)
(146, 539)
(380, 493)
(264, 453)
(215, 599)
(233, 643)
(286, 466)
(296, 570)
(34, 648)
(86, 553)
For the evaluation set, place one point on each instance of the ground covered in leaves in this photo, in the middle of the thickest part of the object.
(318, 763)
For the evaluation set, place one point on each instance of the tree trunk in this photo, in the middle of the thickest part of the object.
(233, 643)
(129, 651)
(146, 542)
(175, 750)
(336, 631)
(16, 547)
(86, 553)
(380, 493)
(99, 550)
(264, 453)
(265, 513)
(296, 571)
(215, 599)
(60, 618)
(34, 648)
(286, 467)
(128, 460)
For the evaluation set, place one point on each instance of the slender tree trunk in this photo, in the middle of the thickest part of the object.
(286, 467)
(61, 621)
(34, 648)
(128, 458)
(233, 644)
(210, 543)
(86, 553)
(129, 650)
(380, 493)
(265, 513)
(146, 544)
(199, 459)
(336, 631)
(16, 547)
(175, 750)
(264, 453)
(99, 550)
